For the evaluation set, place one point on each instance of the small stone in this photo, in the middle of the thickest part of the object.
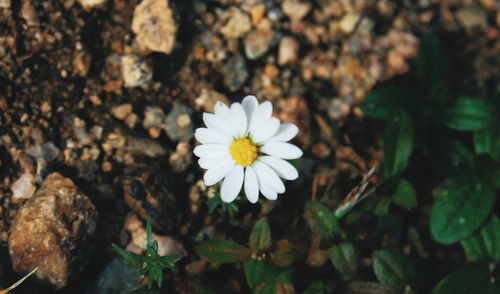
(153, 117)
(288, 51)
(135, 72)
(237, 25)
(235, 73)
(295, 10)
(258, 42)
(52, 231)
(473, 16)
(349, 21)
(154, 25)
(144, 146)
(208, 98)
(178, 124)
(28, 13)
(5, 4)
(122, 111)
(181, 158)
(118, 276)
(92, 3)
(258, 12)
(396, 63)
(24, 187)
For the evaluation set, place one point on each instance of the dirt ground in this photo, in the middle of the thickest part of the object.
(83, 95)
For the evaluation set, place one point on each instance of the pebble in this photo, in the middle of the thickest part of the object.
(181, 158)
(118, 276)
(295, 10)
(472, 16)
(144, 146)
(288, 51)
(135, 72)
(122, 111)
(52, 231)
(23, 188)
(154, 25)
(235, 73)
(153, 117)
(237, 25)
(208, 98)
(349, 21)
(92, 3)
(258, 12)
(259, 41)
(178, 123)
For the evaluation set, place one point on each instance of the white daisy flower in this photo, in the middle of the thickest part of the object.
(246, 146)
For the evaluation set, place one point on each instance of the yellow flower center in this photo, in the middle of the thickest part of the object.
(243, 151)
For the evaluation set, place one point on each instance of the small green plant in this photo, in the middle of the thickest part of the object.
(216, 202)
(150, 264)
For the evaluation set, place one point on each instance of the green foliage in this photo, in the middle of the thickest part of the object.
(150, 264)
(484, 244)
(393, 269)
(222, 250)
(460, 208)
(230, 208)
(405, 194)
(384, 102)
(265, 278)
(344, 259)
(260, 238)
(432, 64)
(468, 114)
(472, 278)
(321, 220)
(398, 143)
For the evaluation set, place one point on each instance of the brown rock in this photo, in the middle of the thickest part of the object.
(51, 231)
(154, 25)
(288, 51)
(122, 111)
(237, 25)
(296, 10)
(181, 158)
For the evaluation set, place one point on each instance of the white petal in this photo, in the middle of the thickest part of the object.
(239, 119)
(251, 185)
(232, 184)
(268, 176)
(214, 175)
(211, 162)
(285, 133)
(266, 130)
(215, 124)
(283, 168)
(282, 150)
(223, 112)
(210, 150)
(250, 104)
(260, 115)
(206, 136)
(267, 191)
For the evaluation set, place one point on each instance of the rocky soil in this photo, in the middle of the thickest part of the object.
(99, 100)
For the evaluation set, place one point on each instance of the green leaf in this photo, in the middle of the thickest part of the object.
(468, 114)
(405, 194)
(255, 271)
(284, 285)
(460, 208)
(449, 157)
(363, 287)
(484, 244)
(487, 141)
(260, 238)
(344, 259)
(316, 287)
(472, 278)
(321, 220)
(383, 102)
(222, 250)
(432, 63)
(284, 254)
(398, 144)
(393, 269)
(132, 258)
